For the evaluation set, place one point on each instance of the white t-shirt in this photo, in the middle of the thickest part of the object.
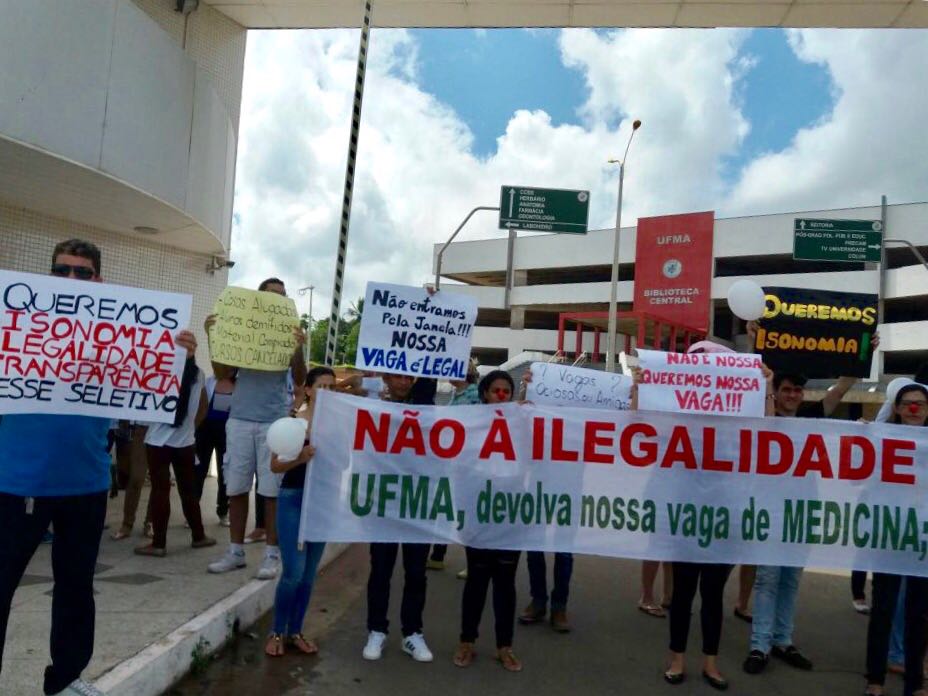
(166, 435)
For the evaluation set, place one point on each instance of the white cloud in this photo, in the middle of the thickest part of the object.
(417, 176)
(874, 140)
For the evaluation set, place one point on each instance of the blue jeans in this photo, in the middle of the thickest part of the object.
(897, 637)
(299, 565)
(537, 579)
(775, 591)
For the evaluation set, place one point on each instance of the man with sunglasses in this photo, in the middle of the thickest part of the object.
(776, 587)
(55, 469)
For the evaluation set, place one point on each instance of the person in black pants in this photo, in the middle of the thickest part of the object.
(484, 565)
(711, 579)
(54, 469)
(910, 407)
(400, 389)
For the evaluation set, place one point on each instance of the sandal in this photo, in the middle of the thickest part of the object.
(744, 616)
(121, 533)
(509, 661)
(652, 610)
(148, 531)
(150, 550)
(464, 655)
(274, 646)
(307, 647)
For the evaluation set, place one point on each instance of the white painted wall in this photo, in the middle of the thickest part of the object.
(100, 83)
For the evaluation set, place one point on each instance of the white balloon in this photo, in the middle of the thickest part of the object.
(746, 300)
(285, 437)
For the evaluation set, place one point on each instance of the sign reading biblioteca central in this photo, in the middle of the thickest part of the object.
(673, 268)
(407, 331)
(661, 486)
(80, 348)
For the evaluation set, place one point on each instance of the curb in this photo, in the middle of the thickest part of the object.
(159, 666)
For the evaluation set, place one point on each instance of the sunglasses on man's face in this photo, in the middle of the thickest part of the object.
(63, 270)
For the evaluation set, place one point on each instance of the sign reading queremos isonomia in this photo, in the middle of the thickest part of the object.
(661, 486)
(817, 333)
(405, 330)
(82, 348)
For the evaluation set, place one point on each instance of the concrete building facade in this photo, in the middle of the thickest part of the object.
(571, 273)
(119, 124)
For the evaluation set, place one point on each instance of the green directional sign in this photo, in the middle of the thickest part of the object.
(544, 210)
(837, 240)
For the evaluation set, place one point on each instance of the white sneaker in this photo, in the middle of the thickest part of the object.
(223, 520)
(270, 566)
(81, 688)
(374, 648)
(230, 561)
(415, 647)
(860, 606)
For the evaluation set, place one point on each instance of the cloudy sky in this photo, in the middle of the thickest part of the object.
(742, 122)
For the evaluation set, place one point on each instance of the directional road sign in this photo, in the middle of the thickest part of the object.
(837, 240)
(544, 210)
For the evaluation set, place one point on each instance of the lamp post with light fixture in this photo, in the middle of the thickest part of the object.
(614, 285)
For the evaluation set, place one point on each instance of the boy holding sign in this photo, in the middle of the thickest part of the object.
(56, 470)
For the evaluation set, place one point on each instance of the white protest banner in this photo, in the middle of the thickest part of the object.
(659, 486)
(721, 384)
(407, 331)
(564, 385)
(92, 349)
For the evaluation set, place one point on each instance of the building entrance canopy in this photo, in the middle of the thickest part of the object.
(321, 14)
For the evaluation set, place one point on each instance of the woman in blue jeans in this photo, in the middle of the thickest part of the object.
(299, 560)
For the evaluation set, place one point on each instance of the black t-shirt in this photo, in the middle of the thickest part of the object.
(814, 410)
(295, 477)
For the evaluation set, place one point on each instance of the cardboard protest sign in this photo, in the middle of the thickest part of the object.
(406, 331)
(661, 486)
(563, 385)
(721, 384)
(817, 333)
(92, 349)
(253, 329)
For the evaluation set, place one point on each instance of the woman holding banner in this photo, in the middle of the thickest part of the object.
(300, 560)
(910, 407)
(709, 578)
(484, 565)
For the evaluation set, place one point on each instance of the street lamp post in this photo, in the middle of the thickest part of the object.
(614, 285)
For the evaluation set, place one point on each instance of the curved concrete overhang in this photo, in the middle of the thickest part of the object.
(53, 185)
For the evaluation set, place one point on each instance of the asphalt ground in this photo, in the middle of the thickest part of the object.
(612, 649)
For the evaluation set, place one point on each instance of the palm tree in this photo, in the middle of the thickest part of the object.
(354, 312)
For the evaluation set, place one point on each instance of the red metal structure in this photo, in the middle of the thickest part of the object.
(648, 330)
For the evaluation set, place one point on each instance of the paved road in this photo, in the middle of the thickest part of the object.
(614, 649)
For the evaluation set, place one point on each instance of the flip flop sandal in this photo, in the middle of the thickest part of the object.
(464, 655)
(509, 661)
(121, 533)
(307, 647)
(150, 550)
(652, 610)
(744, 616)
(274, 646)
